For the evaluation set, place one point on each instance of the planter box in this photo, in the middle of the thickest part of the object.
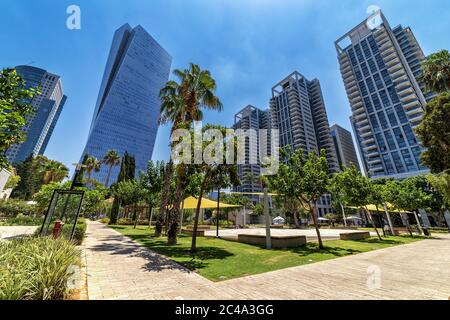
(355, 235)
(278, 242)
(200, 233)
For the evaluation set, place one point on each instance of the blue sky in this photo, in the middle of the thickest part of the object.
(249, 45)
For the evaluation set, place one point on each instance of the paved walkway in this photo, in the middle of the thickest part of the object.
(16, 231)
(119, 268)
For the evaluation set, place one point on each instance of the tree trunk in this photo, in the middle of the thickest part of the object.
(296, 222)
(164, 200)
(174, 213)
(137, 216)
(382, 222)
(107, 177)
(313, 212)
(218, 213)
(371, 221)
(197, 215)
(150, 212)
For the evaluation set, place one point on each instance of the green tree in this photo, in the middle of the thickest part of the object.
(356, 190)
(182, 102)
(209, 172)
(306, 179)
(434, 133)
(152, 182)
(54, 171)
(127, 172)
(111, 159)
(441, 183)
(436, 71)
(407, 196)
(92, 164)
(130, 192)
(15, 107)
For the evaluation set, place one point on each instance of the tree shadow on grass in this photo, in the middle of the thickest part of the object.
(309, 249)
(194, 261)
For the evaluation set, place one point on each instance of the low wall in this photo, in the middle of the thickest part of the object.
(200, 233)
(278, 242)
(355, 235)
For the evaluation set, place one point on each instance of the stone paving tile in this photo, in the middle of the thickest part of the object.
(119, 268)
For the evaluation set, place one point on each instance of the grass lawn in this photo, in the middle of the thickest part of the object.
(218, 259)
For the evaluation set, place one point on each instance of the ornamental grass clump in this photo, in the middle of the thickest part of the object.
(37, 268)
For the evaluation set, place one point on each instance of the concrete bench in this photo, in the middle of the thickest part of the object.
(355, 235)
(277, 226)
(200, 233)
(278, 242)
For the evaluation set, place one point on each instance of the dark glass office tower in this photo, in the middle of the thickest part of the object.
(127, 110)
(48, 106)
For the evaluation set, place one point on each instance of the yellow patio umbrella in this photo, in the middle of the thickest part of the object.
(372, 207)
(191, 203)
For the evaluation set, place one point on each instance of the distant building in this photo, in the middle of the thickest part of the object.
(298, 112)
(380, 67)
(48, 106)
(345, 149)
(127, 110)
(248, 118)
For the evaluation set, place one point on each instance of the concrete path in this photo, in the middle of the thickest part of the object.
(16, 231)
(119, 268)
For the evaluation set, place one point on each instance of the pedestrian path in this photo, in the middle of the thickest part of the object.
(119, 268)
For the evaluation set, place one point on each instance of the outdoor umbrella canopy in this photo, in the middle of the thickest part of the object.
(191, 203)
(372, 207)
(353, 218)
(278, 220)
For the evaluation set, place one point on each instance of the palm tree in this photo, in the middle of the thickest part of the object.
(54, 171)
(436, 71)
(181, 104)
(92, 164)
(111, 159)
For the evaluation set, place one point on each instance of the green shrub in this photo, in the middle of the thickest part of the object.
(36, 268)
(80, 231)
(13, 208)
(105, 220)
(22, 220)
(130, 222)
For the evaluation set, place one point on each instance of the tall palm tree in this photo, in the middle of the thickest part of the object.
(54, 171)
(92, 164)
(436, 71)
(181, 104)
(111, 159)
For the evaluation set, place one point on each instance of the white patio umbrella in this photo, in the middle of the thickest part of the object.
(278, 220)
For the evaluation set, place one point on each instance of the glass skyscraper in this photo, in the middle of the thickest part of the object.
(127, 110)
(344, 146)
(48, 106)
(380, 68)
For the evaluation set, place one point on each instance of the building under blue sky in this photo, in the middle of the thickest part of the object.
(248, 45)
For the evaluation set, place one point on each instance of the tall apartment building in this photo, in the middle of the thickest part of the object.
(248, 118)
(127, 110)
(48, 106)
(344, 146)
(298, 112)
(380, 67)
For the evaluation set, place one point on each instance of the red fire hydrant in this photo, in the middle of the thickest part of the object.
(57, 229)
